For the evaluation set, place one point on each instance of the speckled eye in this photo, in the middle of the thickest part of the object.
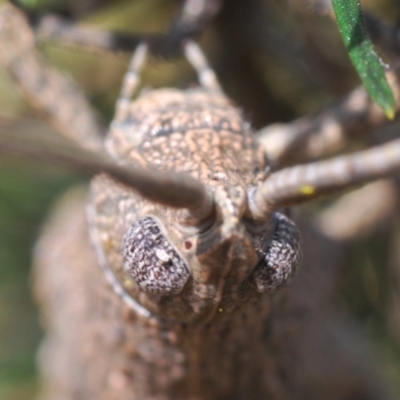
(282, 257)
(151, 260)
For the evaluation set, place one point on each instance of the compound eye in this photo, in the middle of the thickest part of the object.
(151, 260)
(282, 257)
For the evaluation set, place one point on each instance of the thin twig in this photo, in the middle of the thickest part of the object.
(47, 90)
(55, 28)
(190, 23)
(325, 132)
(303, 183)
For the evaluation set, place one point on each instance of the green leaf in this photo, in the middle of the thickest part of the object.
(362, 54)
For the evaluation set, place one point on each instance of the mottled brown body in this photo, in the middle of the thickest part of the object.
(294, 346)
(97, 348)
(203, 343)
(204, 135)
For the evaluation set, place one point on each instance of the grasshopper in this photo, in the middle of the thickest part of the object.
(168, 294)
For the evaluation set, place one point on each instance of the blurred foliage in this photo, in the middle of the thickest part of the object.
(295, 65)
(26, 192)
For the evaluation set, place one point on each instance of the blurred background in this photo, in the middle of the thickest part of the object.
(278, 62)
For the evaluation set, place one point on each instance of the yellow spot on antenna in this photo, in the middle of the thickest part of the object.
(220, 309)
(390, 113)
(127, 282)
(307, 190)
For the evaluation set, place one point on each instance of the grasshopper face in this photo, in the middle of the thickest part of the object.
(182, 272)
